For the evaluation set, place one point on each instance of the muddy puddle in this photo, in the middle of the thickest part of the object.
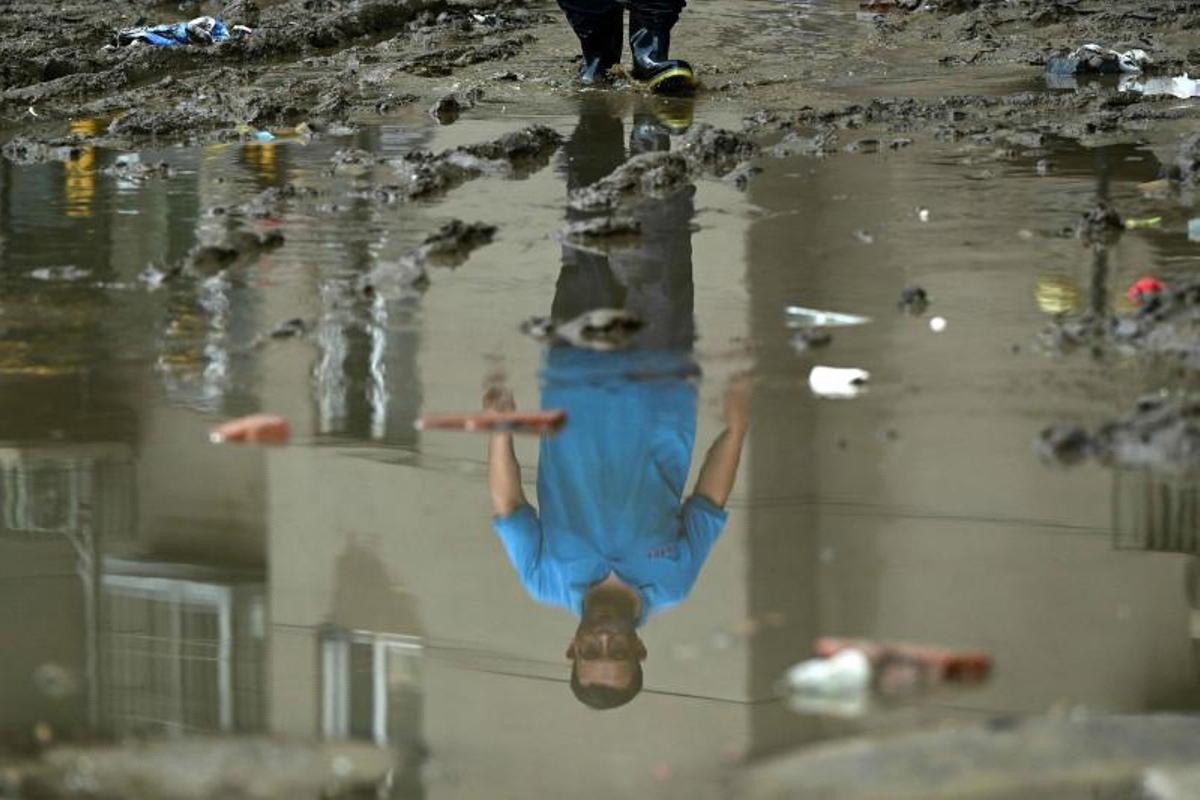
(337, 617)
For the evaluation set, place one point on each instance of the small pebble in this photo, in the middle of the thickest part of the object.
(937, 324)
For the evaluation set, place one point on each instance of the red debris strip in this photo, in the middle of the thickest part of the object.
(256, 428)
(536, 422)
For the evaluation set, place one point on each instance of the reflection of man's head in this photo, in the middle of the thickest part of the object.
(606, 654)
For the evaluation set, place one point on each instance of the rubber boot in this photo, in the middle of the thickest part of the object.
(656, 120)
(601, 37)
(650, 44)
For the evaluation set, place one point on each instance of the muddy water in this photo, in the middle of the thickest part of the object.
(349, 585)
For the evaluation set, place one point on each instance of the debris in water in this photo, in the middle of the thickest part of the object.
(848, 673)
(937, 324)
(599, 329)
(1143, 289)
(914, 300)
(256, 428)
(199, 32)
(1181, 86)
(864, 236)
(1092, 59)
(538, 422)
(801, 317)
(923, 214)
(1144, 222)
(839, 382)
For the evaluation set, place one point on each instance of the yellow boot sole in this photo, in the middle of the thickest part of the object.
(673, 81)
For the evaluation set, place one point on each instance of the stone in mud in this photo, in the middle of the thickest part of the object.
(205, 769)
(451, 244)
(447, 108)
(653, 175)
(716, 151)
(1065, 445)
(602, 329)
(602, 228)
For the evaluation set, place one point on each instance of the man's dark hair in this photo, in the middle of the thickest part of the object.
(601, 697)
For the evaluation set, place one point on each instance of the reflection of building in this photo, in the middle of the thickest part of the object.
(1155, 514)
(180, 655)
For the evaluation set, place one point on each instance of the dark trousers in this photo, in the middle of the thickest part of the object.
(588, 17)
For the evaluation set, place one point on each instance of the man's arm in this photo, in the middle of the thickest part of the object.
(504, 473)
(719, 471)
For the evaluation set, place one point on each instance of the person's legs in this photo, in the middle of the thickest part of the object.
(650, 24)
(599, 24)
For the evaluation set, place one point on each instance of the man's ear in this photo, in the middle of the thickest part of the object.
(571, 651)
(642, 653)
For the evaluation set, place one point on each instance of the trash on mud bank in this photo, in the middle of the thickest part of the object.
(1092, 59)
(540, 423)
(198, 32)
(256, 428)
(600, 329)
(848, 674)
(838, 382)
(205, 769)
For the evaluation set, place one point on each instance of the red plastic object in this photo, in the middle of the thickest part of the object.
(1145, 288)
(947, 665)
(537, 422)
(256, 428)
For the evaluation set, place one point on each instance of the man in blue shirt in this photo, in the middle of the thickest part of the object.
(614, 541)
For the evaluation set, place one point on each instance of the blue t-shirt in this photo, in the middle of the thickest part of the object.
(610, 485)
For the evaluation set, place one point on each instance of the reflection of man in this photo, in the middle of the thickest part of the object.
(614, 540)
